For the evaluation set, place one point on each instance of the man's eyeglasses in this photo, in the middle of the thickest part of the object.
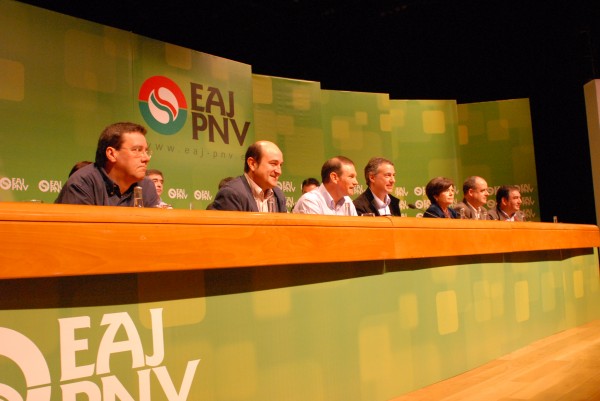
(138, 151)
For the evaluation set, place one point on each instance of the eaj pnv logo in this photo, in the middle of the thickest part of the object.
(26, 374)
(162, 105)
(212, 110)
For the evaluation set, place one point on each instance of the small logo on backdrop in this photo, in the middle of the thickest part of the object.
(162, 105)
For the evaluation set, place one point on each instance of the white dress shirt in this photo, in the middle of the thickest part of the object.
(261, 197)
(318, 201)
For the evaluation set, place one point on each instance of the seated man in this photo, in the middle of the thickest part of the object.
(78, 166)
(158, 179)
(309, 184)
(122, 158)
(257, 188)
(508, 204)
(338, 177)
(380, 176)
(475, 193)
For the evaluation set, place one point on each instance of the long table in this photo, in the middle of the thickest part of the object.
(80, 240)
(192, 305)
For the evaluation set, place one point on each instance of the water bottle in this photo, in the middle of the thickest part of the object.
(138, 200)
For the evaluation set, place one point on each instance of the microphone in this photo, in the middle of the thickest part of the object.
(413, 206)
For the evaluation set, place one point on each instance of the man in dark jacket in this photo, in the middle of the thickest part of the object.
(380, 176)
(256, 190)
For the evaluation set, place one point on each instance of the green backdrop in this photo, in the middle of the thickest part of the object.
(361, 331)
(62, 80)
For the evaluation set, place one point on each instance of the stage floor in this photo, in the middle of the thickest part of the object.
(564, 366)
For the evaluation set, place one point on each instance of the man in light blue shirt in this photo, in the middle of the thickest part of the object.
(332, 197)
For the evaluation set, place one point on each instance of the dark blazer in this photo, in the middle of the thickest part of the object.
(435, 211)
(469, 212)
(365, 203)
(494, 214)
(237, 195)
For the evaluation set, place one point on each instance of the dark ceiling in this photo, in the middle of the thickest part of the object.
(430, 49)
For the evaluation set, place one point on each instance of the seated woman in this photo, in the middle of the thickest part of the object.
(440, 192)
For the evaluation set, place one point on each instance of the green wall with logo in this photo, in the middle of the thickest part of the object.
(64, 79)
(359, 331)
(354, 331)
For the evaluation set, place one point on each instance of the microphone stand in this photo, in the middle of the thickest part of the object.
(413, 206)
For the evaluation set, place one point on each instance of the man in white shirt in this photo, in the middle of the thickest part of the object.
(332, 197)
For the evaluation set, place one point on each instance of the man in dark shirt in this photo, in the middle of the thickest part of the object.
(122, 158)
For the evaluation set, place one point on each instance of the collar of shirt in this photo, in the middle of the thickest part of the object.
(382, 206)
(329, 199)
(261, 197)
(112, 189)
(477, 211)
(506, 216)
